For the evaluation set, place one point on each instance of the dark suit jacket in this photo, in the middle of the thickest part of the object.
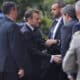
(76, 27)
(66, 34)
(55, 49)
(33, 48)
(11, 50)
(1, 15)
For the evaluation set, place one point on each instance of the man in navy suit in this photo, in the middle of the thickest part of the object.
(55, 71)
(70, 20)
(11, 47)
(54, 32)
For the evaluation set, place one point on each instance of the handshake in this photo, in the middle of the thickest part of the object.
(56, 58)
(50, 42)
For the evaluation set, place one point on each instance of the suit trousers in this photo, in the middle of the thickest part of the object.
(1, 76)
(8, 76)
(31, 78)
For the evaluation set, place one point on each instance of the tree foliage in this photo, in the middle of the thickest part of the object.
(43, 5)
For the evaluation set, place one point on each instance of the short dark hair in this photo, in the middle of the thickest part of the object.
(29, 13)
(7, 6)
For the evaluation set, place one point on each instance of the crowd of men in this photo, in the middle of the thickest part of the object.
(26, 55)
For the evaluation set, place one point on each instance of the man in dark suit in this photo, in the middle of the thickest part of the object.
(54, 32)
(11, 47)
(34, 46)
(70, 20)
(55, 72)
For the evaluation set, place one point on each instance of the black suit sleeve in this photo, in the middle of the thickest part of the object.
(30, 46)
(16, 45)
(76, 28)
(66, 33)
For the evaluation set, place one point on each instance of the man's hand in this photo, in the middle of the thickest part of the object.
(56, 58)
(21, 73)
(49, 42)
(70, 77)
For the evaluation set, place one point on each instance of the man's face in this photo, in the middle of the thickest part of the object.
(35, 20)
(77, 14)
(14, 13)
(55, 10)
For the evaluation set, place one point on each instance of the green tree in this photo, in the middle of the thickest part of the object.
(43, 5)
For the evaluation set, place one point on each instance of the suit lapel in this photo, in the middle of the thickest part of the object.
(52, 28)
(28, 28)
(58, 30)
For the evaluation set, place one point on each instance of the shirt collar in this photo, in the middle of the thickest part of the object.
(30, 26)
(58, 19)
(10, 18)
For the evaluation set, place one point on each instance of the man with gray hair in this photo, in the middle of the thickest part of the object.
(68, 13)
(69, 19)
(77, 9)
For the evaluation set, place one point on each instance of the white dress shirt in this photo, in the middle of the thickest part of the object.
(30, 26)
(56, 27)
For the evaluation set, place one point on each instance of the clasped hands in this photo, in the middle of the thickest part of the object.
(56, 58)
(21, 73)
(50, 42)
